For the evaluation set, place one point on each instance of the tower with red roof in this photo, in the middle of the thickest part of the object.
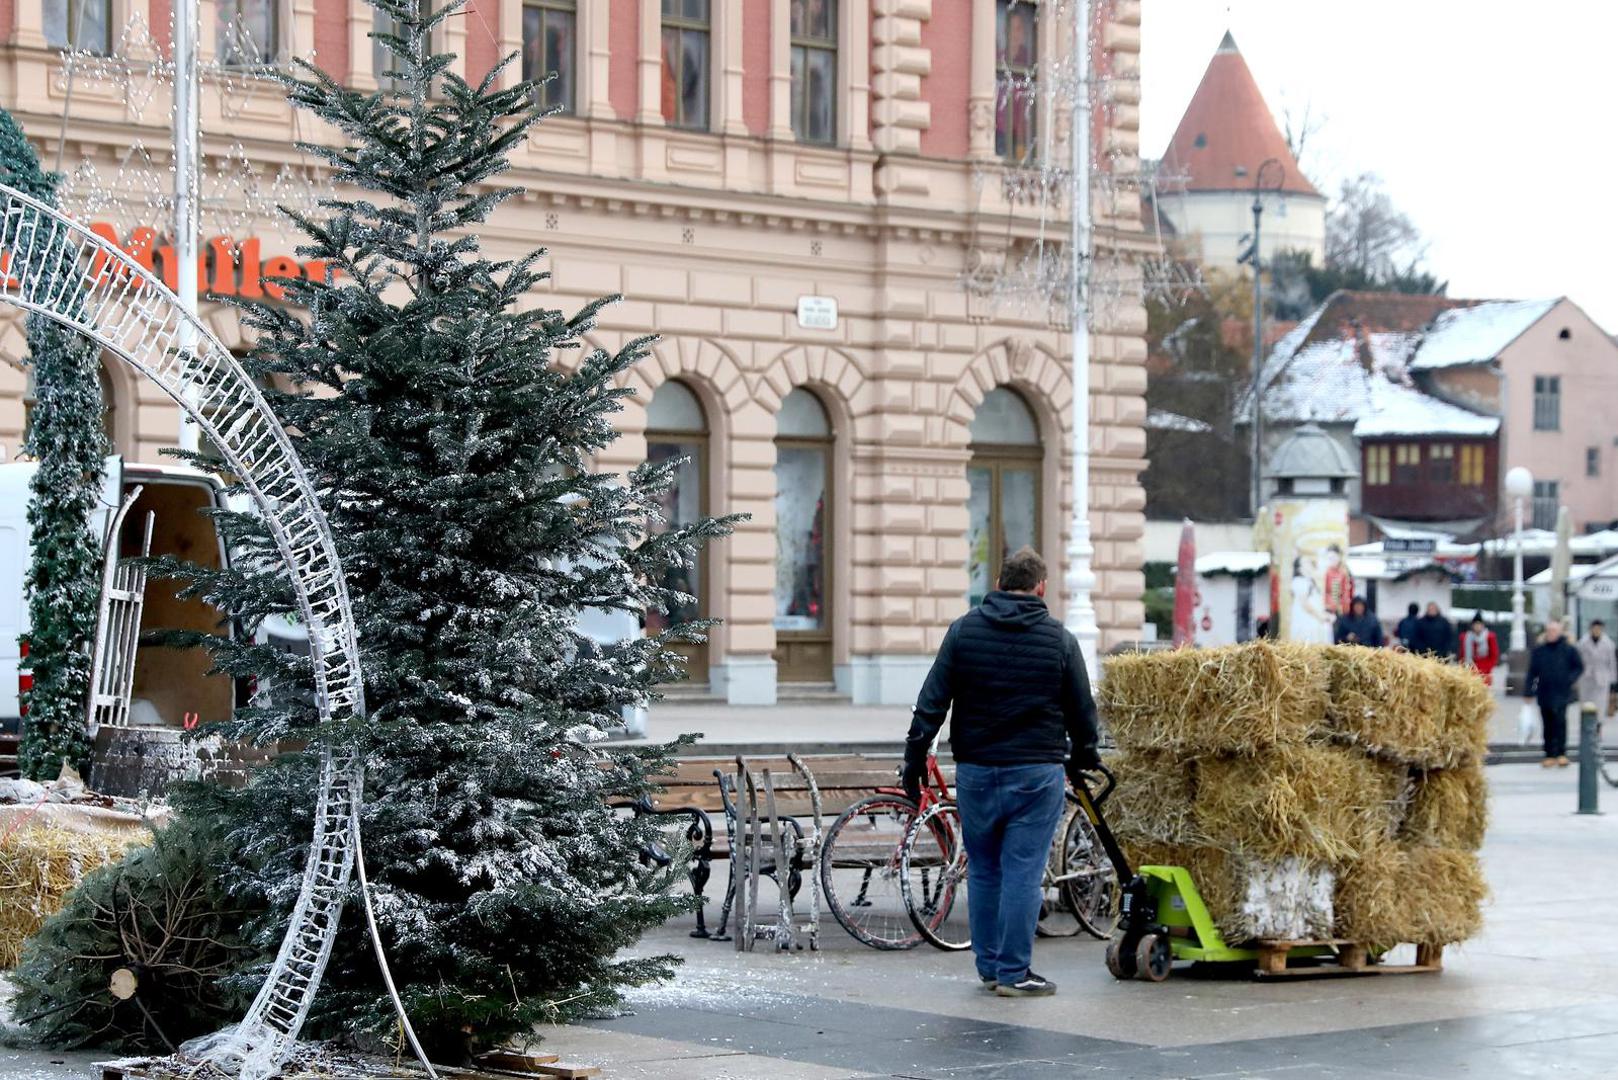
(1207, 175)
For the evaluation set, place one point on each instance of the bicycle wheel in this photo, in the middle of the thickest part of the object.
(1089, 881)
(1057, 919)
(932, 875)
(859, 872)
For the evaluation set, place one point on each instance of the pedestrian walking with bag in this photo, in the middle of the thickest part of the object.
(1015, 688)
(1600, 659)
(1554, 668)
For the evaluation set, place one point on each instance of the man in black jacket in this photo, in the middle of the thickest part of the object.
(1358, 626)
(1554, 668)
(1021, 713)
(1435, 635)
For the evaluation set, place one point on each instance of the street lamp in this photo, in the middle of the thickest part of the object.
(1520, 486)
(1273, 167)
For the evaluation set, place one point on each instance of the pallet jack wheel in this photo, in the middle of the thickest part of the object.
(1154, 958)
(1120, 961)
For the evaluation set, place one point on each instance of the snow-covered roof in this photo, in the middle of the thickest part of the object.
(1476, 335)
(1596, 545)
(1232, 562)
(1349, 362)
(1163, 420)
(1371, 568)
(1397, 409)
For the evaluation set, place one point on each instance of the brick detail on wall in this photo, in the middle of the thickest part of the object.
(331, 37)
(899, 62)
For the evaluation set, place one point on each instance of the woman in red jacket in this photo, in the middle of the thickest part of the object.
(1480, 649)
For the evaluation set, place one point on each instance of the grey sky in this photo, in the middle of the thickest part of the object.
(1490, 122)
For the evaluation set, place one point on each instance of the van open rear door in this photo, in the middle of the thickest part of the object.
(16, 551)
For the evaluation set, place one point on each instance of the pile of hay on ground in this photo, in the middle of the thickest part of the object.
(1312, 791)
(39, 866)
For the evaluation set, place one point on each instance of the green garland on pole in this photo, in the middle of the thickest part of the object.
(63, 582)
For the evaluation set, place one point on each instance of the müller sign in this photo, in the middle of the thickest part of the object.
(224, 266)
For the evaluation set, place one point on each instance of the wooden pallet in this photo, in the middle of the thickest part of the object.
(1275, 960)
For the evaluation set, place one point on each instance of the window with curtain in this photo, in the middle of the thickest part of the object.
(385, 64)
(814, 70)
(686, 31)
(1016, 80)
(1407, 463)
(1376, 466)
(550, 44)
(1441, 463)
(79, 24)
(249, 32)
(1472, 466)
(1002, 502)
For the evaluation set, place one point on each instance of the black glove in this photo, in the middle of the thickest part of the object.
(910, 777)
(1085, 759)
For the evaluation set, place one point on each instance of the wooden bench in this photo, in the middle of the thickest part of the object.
(702, 789)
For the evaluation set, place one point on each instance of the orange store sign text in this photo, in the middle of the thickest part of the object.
(225, 267)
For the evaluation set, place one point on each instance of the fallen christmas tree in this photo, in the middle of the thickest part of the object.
(1312, 792)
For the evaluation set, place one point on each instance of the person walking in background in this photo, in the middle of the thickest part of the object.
(1600, 660)
(1405, 633)
(1554, 668)
(1434, 636)
(1358, 626)
(1480, 649)
(1013, 681)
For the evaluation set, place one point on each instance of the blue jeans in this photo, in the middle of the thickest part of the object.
(1009, 815)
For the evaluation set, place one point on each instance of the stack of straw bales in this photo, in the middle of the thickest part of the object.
(1312, 791)
(39, 865)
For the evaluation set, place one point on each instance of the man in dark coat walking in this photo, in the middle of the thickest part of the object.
(1014, 684)
(1554, 668)
(1405, 632)
(1434, 635)
(1358, 626)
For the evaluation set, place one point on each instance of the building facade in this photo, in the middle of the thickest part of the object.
(807, 201)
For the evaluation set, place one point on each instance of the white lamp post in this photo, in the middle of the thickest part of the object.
(1520, 486)
(1081, 579)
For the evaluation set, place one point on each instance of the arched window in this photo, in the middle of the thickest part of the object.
(1003, 511)
(677, 428)
(803, 501)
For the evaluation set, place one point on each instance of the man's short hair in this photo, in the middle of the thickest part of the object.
(1022, 570)
(1597, 622)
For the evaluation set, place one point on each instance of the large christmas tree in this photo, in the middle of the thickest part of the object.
(450, 425)
(65, 435)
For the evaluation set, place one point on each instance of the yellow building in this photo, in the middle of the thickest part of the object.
(815, 204)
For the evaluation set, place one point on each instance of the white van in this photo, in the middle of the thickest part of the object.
(168, 682)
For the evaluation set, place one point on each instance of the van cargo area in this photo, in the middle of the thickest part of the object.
(168, 682)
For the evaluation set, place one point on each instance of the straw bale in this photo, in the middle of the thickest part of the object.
(1237, 699)
(1426, 896)
(1404, 708)
(1252, 899)
(39, 866)
(1449, 808)
(1321, 803)
(1469, 710)
(1153, 799)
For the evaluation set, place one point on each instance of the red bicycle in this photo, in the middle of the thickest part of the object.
(861, 862)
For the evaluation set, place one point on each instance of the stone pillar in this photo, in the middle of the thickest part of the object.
(650, 97)
(981, 91)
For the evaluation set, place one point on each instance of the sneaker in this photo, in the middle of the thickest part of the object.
(1548, 763)
(989, 982)
(1030, 985)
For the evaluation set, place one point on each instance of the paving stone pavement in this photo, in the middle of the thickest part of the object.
(1534, 996)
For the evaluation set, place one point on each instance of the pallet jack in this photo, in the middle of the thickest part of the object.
(1163, 918)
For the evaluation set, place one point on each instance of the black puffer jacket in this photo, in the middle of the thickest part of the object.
(1017, 684)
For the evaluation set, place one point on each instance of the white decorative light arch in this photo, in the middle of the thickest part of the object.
(61, 270)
